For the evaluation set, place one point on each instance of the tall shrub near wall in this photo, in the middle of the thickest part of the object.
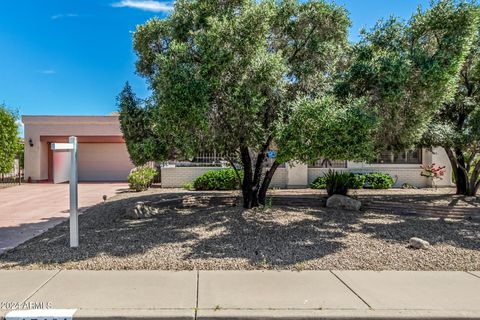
(9, 141)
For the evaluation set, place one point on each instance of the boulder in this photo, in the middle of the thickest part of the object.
(338, 201)
(418, 243)
(140, 210)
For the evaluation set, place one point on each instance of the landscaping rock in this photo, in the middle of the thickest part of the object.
(140, 210)
(418, 243)
(338, 201)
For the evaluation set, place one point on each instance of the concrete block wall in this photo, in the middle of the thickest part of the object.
(279, 179)
(176, 177)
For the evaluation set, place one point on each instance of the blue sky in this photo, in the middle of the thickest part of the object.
(72, 57)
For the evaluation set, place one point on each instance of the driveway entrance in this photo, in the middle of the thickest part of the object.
(30, 209)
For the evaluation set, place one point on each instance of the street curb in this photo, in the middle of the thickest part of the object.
(337, 314)
(209, 314)
(124, 314)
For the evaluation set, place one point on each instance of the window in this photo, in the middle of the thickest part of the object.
(326, 163)
(205, 159)
(405, 157)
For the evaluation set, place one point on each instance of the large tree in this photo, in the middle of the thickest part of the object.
(406, 70)
(9, 141)
(241, 76)
(456, 126)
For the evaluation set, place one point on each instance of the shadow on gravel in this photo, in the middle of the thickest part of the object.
(458, 233)
(194, 226)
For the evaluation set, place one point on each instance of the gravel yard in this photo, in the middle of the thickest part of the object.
(209, 231)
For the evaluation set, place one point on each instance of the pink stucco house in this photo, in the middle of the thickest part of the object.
(103, 156)
(102, 153)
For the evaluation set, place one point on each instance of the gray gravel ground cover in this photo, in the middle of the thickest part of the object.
(202, 231)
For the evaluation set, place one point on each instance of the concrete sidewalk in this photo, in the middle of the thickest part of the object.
(246, 294)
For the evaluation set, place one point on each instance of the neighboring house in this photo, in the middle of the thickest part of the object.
(103, 156)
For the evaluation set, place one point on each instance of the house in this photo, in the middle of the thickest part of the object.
(102, 153)
(103, 156)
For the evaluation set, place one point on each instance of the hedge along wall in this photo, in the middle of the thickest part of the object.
(176, 177)
(401, 175)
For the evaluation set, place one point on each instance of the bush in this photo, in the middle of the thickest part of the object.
(188, 186)
(337, 182)
(217, 180)
(378, 180)
(357, 180)
(319, 183)
(141, 178)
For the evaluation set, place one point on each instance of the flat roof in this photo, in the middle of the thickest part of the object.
(68, 118)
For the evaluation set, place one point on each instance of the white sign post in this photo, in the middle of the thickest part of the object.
(72, 147)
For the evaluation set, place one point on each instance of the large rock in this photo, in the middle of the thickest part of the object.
(140, 210)
(418, 243)
(338, 201)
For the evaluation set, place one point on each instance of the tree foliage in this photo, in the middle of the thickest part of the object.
(232, 75)
(243, 76)
(136, 124)
(326, 128)
(9, 141)
(407, 70)
(456, 126)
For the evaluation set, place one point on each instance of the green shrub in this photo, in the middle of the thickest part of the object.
(357, 180)
(337, 182)
(377, 180)
(217, 180)
(188, 186)
(319, 183)
(141, 178)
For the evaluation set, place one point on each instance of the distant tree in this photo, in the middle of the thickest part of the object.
(9, 140)
(406, 70)
(135, 123)
(456, 126)
(242, 77)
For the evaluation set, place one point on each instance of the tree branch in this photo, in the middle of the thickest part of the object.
(230, 160)
(297, 49)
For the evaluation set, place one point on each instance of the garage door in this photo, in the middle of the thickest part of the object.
(103, 162)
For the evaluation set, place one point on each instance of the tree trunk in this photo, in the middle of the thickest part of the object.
(250, 199)
(464, 185)
(254, 189)
(262, 194)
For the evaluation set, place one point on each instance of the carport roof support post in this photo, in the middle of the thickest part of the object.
(72, 147)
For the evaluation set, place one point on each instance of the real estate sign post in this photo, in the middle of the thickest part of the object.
(72, 147)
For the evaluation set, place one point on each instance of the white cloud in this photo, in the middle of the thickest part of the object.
(47, 71)
(148, 5)
(66, 15)
(19, 124)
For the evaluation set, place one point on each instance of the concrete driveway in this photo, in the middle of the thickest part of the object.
(30, 209)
